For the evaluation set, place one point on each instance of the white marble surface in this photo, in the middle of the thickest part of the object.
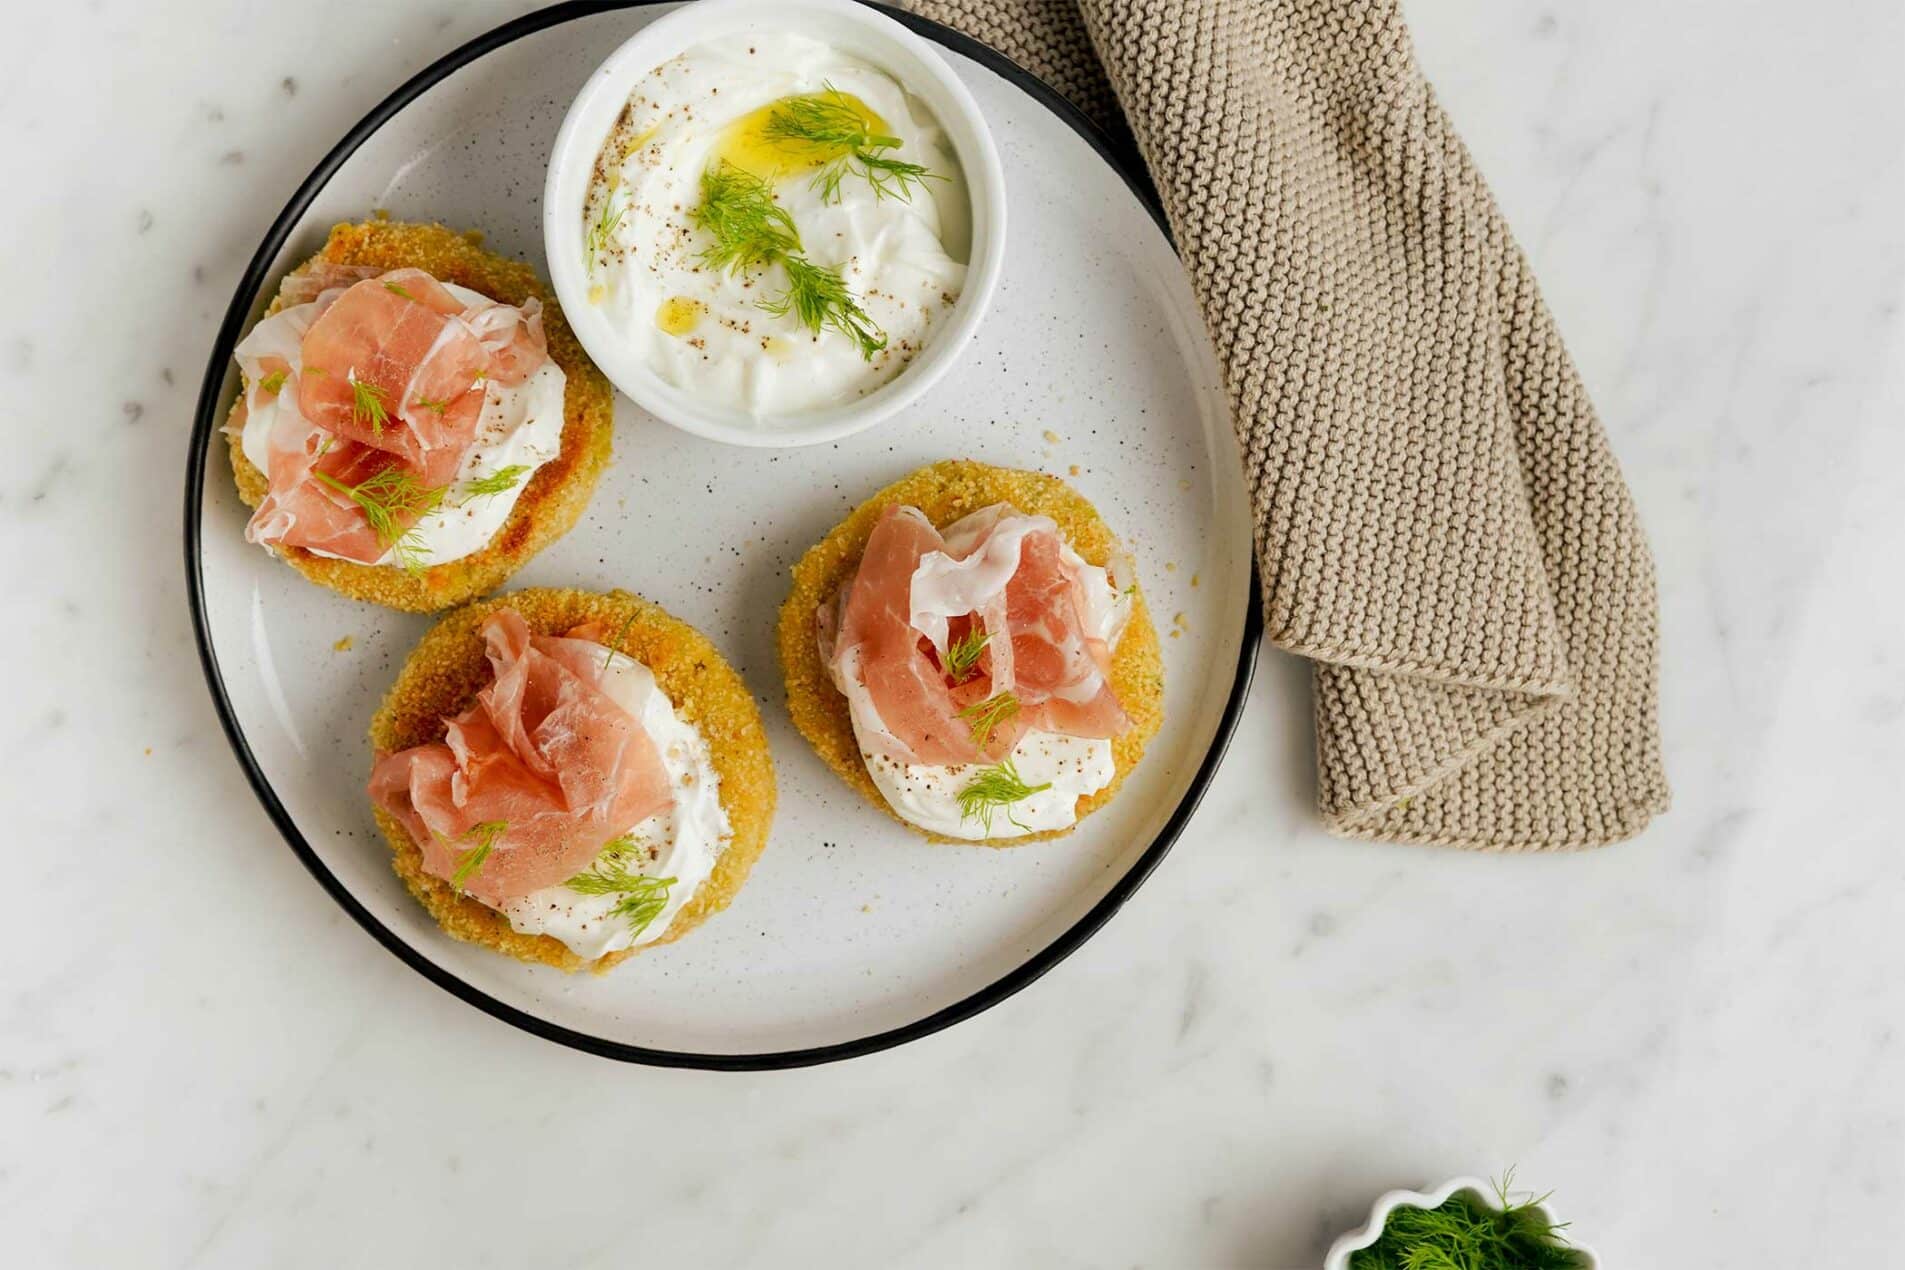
(1693, 1038)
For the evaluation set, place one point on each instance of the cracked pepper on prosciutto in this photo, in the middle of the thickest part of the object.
(917, 592)
(387, 371)
(544, 750)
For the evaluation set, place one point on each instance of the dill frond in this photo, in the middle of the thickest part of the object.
(891, 177)
(272, 383)
(824, 120)
(749, 228)
(985, 716)
(642, 906)
(486, 835)
(643, 897)
(385, 499)
(962, 655)
(501, 481)
(993, 788)
(396, 289)
(368, 402)
(818, 298)
(603, 226)
(830, 126)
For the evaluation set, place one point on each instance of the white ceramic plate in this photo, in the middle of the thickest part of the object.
(851, 935)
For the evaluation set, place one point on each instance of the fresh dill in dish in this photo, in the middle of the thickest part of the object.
(818, 297)
(271, 383)
(1465, 1232)
(602, 228)
(962, 655)
(501, 481)
(434, 407)
(827, 123)
(642, 897)
(986, 716)
(825, 120)
(486, 835)
(385, 499)
(751, 230)
(993, 789)
(396, 289)
(888, 176)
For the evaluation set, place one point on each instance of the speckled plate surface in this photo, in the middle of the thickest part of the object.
(852, 935)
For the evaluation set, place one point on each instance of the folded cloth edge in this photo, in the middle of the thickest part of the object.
(1410, 747)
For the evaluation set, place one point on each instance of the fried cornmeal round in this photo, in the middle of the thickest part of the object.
(945, 492)
(442, 676)
(552, 501)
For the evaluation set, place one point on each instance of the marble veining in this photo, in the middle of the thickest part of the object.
(1693, 1038)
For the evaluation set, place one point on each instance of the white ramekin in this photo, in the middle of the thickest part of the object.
(1371, 1231)
(857, 30)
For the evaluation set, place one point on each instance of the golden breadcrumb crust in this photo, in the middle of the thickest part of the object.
(945, 492)
(555, 496)
(442, 676)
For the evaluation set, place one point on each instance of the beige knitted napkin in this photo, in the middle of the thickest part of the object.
(1440, 525)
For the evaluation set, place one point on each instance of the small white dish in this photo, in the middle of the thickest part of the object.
(857, 30)
(1371, 1231)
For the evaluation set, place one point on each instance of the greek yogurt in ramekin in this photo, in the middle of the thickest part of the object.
(774, 222)
(896, 243)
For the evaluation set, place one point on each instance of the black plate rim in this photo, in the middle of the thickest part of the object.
(1123, 158)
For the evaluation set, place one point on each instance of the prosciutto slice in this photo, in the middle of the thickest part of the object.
(319, 278)
(544, 751)
(1061, 670)
(299, 508)
(391, 365)
(368, 374)
(1051, 619)
(913, 716)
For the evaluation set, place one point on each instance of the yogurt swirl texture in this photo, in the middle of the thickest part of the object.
(900, 250)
